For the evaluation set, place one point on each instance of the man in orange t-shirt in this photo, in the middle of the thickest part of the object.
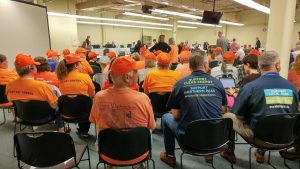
(87, 69)
(26, 88)
(173, 53)
(184, 67)
(6, 75)
(121, 107)
(161, 79)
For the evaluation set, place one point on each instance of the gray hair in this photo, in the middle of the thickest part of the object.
(197, 60)
(171, 41)
(268, 59)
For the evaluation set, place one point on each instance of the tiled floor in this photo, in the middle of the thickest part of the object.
(7, 161)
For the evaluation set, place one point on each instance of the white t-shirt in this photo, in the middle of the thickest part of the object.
(240, 53)
(231, 70)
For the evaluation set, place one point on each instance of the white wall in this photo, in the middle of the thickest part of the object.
(63, 31)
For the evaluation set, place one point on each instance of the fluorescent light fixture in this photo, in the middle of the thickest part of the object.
(144, 16)
(254, 5)
(177, 14)
(129, 5)
(187, 27)
(191, 16)
(121, 25)
(231, 23)
(107, 19)
(199, 23)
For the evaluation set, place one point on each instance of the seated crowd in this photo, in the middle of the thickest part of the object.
(190, 77)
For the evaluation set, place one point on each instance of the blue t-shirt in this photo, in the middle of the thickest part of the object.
(52, 64)
(269, 94)
(198, 96)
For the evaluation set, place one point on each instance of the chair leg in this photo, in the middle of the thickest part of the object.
(285, 164)
(147, 164)
(89, 158)
(250, 157)
(181, 160)
(154, 163)
(269, 160)
(212, 164)
(98, 165)
(14, 144)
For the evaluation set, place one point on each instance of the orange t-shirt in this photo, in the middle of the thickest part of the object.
(30, 89)
(160, 80)
(122, 108)
(86, 67)
(184, 70)
(47, 77)
(76, 83)
(174, 53)
(7, 75)
(294, 77)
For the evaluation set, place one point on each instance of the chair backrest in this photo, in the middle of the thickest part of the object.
(124, 144)
(159, 102)
(44, 149)
(207, 134)
(34, 112)
(75, 108)
(3, 98)
(97, 86)
(277, 128)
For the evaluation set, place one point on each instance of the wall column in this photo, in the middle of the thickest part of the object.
(280, 30)
(174, 31)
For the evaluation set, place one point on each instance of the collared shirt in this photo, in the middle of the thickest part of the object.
(269, 94)
(198, 96)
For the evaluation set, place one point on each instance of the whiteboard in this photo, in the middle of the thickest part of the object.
(23, 29)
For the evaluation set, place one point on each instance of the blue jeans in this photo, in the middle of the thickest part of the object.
(170, 129)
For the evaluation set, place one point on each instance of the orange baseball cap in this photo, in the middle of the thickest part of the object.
(93, 55)
(80, 50)
(218, 49)
(184, 55)
(111, 55)
(66, 52)
(150, 56)
(50, 53)
(228, 56)
(24, 60)
(143, 49)
(163, 58)
(73, 58)
(254, 52)
(123, 65)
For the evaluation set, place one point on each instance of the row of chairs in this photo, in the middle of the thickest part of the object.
(137, 141)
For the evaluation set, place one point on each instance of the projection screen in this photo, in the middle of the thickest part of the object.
(23, 29)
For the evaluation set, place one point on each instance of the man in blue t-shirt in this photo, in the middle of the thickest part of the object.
(269, 94)
(197, 96)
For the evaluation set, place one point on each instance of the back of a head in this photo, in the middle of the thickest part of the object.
(252, 60)
(197, 60)
(44, 64)
(171, 41)
(2, 58)
(268, 60)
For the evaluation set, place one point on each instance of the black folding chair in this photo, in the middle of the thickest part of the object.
(48, 149)
(32, 113)
(125, 145)
(159, 104)
(278, 130)
(4, 100)
(75, 108)
(206, 137)
(97, 86)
